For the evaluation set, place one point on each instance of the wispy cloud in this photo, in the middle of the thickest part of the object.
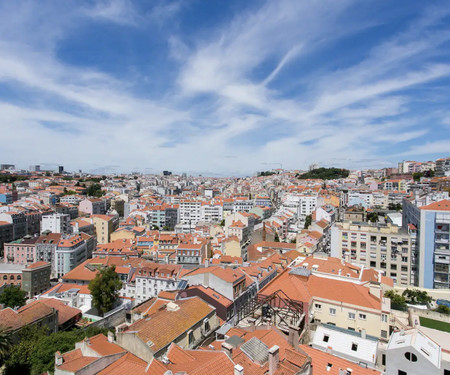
(267, 84)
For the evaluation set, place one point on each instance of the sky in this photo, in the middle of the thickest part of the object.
(223, 87)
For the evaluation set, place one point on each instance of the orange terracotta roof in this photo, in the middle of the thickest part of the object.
(305, 289)
(443, 205)
(38, 264)
(191, 311)
(65, 312)
(321, 361)
(127, 364)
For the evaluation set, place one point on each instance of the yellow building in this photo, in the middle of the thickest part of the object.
(105, 225)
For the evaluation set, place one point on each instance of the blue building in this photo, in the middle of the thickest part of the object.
(432, 251)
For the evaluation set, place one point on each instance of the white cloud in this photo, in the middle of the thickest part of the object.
(229, 97)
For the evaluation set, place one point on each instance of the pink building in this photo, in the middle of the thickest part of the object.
(92, 206)
(21, 251)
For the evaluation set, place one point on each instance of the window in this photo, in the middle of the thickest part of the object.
(411, 357)
(400, 372)
(332, 311)
(317, 306)
(384, 334)
(362, 316)
(326, 338)
(354, 347)
(384, 318)
(351, 316)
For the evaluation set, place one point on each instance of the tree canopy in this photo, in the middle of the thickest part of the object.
(13, 296)
(308, 221)
(94, 190)
(397, 301)
(35, 352)
(325, 174)
(105, 289)
(416, 297)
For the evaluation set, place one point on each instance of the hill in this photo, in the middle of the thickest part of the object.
(325, 174)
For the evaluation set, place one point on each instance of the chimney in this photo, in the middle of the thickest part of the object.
(227, 348)
(110, 336)
(363, 333)
(293, 338)
(206, 263)
(274, 358)
(264, 231)
(238, 370)
(58, 358)
(402, 332)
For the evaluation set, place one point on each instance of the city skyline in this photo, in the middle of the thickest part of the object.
(228, 88)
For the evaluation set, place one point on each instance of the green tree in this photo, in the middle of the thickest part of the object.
(222, 223)
(13, 296)
(277, 238)
(35, 352)
(372, 217)
(397, 300)
(95, 190)
(443, 309)
(166, 228)
(416, 296)
(105, 289)
(19, 357)
(5, 345)
(43, 357)
(308, 221)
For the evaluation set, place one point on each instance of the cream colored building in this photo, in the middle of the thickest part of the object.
(105, 225)
(384, 247)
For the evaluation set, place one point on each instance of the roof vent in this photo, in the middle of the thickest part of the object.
(172, 306)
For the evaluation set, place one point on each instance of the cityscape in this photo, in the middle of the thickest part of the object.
(231, 188)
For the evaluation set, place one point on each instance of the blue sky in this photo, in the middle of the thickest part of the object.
(223, 87)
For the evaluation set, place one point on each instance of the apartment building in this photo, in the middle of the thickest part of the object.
(70, 252)
(432, 222)
(6, 233)
(191, 253)
(211, 212)
(190, 212)
(56, 223)
(242, 204)
(19, 222)
(22, 251)
(104, 226)
(384, 247)
(152, 278)
(92, 206)
(36, 278)
(442, 167)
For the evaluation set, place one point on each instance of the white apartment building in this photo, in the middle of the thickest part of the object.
(152, 279)
(307, 205)
(72, 199)
(242, 205)
(190, 212)
(69, 253)
(211, 213)
(56, 223)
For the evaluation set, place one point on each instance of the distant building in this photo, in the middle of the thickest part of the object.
(4, 167)
(35, 168)
(60, 169)
(167, 173)
(56, 223)
(442, 167)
